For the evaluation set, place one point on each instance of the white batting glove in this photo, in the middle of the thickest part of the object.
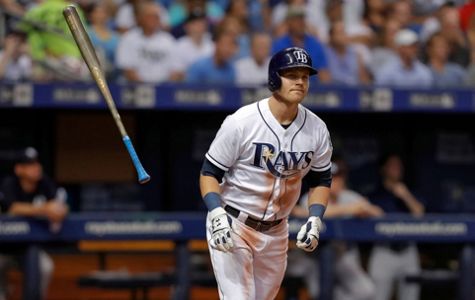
(307, 238)
(220, 230)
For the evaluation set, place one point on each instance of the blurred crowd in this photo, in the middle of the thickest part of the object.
(418, 43)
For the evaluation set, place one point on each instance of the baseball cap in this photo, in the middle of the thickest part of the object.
(295, 11)
(405, 37)
(27, 156)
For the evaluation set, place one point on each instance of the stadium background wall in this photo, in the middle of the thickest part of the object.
(80, 149)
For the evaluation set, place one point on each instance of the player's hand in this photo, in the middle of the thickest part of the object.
(220, 230)
(307, 238)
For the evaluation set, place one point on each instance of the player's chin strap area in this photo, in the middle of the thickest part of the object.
(255, 224)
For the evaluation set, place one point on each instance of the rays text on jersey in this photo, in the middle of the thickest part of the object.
(282, 164)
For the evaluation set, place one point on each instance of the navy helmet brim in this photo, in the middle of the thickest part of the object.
(312, 70)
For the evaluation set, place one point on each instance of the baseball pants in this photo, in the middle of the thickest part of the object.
(255, 268)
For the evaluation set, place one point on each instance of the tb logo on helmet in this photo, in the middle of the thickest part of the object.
(301, 56)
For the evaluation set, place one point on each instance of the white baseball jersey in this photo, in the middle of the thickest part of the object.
(150, 56)
(265, 162)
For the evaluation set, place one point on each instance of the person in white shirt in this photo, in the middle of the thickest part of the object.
(386, 49)
(407, 70)
(252, 70)
(145, 53)
(196, 44)
(125, 18)
(15, 63)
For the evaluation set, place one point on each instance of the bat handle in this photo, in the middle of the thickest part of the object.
(143, 176)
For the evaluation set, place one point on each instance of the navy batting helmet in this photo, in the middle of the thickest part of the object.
(288, 58)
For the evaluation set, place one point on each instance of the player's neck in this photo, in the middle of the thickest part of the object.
(284, 112)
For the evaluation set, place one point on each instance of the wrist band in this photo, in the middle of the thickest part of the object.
(212, 200)
(317, 210)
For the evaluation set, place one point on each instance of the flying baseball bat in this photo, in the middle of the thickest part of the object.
(88, 53)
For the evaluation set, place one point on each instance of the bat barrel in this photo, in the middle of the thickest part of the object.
(82, 40)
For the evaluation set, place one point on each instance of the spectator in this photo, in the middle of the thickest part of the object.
(217, 68)
(125, 18)
(179, 10)
(315, 17)
(12, 7)
(254, 15)
(10, 13)
(196, 44)
(401, 10)
(451, 30)
(252, 70)
(374, 14)
(352, 282)
(236, 27)
(465, 13)
(30, 193)
(385, 49)
(145, 53)
(239, 10)
(344, 62)
(392, 262)
(471, 40)
(15, 64)
(260, 15)
(54, 52)
(425, 8)
(447, 24)
(432, 23)
(179, 30)
(358, 31)
(407, 70)
(102, 37)
(297, 37)
(445, 73)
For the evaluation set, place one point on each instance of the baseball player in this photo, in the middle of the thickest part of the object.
(251, 179)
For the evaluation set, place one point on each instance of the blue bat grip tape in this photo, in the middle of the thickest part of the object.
(143, 176)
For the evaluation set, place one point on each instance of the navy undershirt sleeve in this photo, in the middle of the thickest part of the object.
(314, 179)
(208, 169)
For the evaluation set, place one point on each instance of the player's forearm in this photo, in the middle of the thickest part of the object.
(318, 200)
(208, 184)
(319, 195)
(210, 192)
